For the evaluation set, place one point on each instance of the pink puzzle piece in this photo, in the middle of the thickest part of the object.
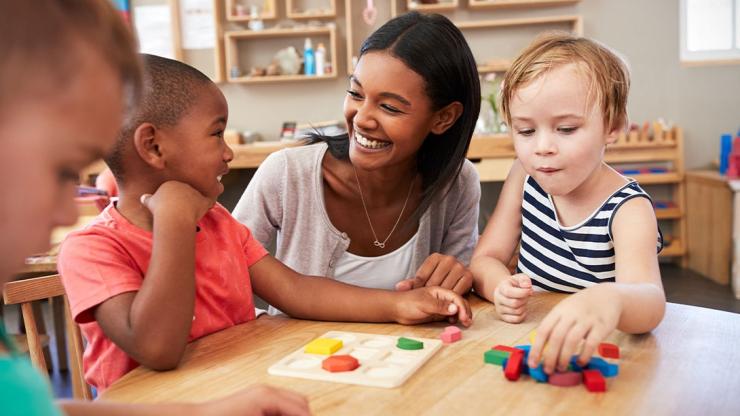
(451, 334)
(568, 379)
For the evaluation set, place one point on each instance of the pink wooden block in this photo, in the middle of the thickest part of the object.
(567, 379)
(451, 334)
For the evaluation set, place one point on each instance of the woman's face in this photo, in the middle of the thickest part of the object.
(387, 111)
(45, 139)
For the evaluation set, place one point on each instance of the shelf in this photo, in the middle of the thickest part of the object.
(275, 33)
(668, 213)
(232, 40)
(656, 178)
(675, 249)
(231, 15)
(499, 65)
(575, 20)
(266, 79)
(432, 8)
(490, 4)
(327, 13)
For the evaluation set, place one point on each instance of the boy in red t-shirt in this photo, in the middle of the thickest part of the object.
(167, 265)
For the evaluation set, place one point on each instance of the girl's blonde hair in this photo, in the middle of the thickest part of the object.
(607, 71)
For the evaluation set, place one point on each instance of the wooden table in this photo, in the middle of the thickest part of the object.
(689, 365)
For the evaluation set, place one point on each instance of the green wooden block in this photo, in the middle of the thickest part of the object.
(409, 344)
(495, 357)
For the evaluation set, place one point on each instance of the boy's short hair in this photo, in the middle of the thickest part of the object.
(608, 72)
(40, 39)
(170, 89)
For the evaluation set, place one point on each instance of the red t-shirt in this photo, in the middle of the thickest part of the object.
(110, 256)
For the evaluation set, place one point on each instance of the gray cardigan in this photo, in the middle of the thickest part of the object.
(285, 198)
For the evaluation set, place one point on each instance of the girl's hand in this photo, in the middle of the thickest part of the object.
(510, 298)
(586, 317)
(432, 304)
(440, 270)
(258, 401)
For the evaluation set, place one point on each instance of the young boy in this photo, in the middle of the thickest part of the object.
(68, 70)
(167, 265)
(583, 227)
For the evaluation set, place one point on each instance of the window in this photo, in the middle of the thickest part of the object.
(710, 31)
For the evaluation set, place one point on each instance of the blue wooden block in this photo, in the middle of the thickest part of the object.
(524, 348)
(538, 373)
(606, 369)
(574, 364)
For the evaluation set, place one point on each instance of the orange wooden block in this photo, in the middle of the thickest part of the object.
(339, 363)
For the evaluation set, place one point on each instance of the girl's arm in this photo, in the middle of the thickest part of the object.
(635, 303)
(501, 236)
(638, 282)
(320, 298)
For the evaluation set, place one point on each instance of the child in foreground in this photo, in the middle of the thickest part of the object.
(581, 227)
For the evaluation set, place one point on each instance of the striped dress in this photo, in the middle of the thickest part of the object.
(568, 259)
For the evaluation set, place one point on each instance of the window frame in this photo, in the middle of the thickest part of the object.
(712, 57)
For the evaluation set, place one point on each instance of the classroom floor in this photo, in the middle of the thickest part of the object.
(681, 286)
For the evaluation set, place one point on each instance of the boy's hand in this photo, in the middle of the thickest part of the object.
(432, 304)
(174, 198)
(440, 270)
(510, 298)
(258, 401)
(587, 317)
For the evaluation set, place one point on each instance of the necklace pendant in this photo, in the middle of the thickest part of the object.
(377, 243)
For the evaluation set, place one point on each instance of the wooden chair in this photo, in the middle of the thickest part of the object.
(28, 291)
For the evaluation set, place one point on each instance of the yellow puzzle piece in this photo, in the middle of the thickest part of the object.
(325, 346)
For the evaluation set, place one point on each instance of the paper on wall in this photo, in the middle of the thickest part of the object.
(198, 27)
(154, 30)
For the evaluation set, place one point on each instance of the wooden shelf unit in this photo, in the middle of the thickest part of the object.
(502, 65)
(232, 55)
(442, 6)
(350, 26)
(491, 4)
(330, 12)
(231, 15)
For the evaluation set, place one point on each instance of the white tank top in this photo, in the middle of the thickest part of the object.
(382, 272)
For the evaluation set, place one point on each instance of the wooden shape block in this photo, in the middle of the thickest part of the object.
(608, 350)
(506, 348)
(567, 379)
(339, 363)
(538, 373)
(594, 381)
(606, 369)
(323, 346)
(513, 368)
(409, 344)
(496, 357)
(451, 334)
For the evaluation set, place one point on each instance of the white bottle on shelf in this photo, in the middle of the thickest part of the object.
(320, 59)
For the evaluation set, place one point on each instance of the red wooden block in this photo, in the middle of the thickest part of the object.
(567, 379)
(513, 368)
(339, 363)
(506, 348)
(608, 350)
(594, 381)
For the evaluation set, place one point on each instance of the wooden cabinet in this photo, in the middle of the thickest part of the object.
(709, 215)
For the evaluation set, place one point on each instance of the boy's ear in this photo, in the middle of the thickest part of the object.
(146, 143)
(446, 117)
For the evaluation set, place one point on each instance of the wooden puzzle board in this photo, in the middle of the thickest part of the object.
(382, 364)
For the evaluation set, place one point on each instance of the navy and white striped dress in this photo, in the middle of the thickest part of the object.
(568, 259)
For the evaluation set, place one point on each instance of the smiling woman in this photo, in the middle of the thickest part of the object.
(393, 203)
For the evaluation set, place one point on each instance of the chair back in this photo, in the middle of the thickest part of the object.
(27, 291)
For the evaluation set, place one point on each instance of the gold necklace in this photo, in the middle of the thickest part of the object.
(378, 243)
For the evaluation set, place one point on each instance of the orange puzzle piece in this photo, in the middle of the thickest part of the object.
(339, 363)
